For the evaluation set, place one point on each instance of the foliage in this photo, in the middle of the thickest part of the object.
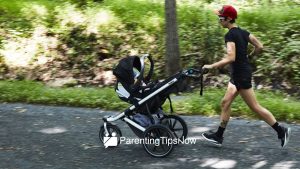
(281, 39)
(283, 107)
(33, 92)
(85, 33)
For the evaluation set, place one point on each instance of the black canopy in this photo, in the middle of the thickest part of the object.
(124, 72)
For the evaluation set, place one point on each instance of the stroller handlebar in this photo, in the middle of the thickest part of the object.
(196, 74)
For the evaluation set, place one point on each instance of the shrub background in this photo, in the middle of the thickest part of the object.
(81, 40)
(43, 40)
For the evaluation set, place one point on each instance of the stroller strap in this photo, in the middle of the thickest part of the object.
(171, 107)
(201, 85)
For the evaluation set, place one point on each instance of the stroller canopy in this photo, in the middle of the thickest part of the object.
(128, 69)
(130, 73)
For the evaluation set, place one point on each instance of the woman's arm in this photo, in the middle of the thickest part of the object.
(229, 57)
(258, 47)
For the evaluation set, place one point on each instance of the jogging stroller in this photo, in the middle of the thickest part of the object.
(145, 116)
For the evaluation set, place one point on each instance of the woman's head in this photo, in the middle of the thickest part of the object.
(227, 15)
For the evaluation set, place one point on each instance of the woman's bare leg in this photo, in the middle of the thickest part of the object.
(249, 97)
(228, 98)
(230, 95)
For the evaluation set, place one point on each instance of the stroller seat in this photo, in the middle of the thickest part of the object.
(132, 86)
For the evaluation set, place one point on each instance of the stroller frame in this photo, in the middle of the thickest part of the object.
(132, 108)
(154, 130)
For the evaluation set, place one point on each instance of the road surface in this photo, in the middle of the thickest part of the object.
(51, 137)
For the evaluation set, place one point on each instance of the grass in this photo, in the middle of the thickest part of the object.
(284, 108)
(33, 92)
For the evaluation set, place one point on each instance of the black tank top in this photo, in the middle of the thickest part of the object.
(241, 67)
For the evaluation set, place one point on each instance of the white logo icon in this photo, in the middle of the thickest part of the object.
(111, 141)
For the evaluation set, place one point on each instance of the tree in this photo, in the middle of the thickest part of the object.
(172, 55)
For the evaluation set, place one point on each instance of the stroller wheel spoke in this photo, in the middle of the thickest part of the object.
(154, 148)
(158, 133)
(110, 130)
(175, 134)
(169, 123)
(163, 147)
(175, 121)
(178, 129)
(151, 137)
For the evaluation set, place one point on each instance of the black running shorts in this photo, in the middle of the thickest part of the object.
(241, 83)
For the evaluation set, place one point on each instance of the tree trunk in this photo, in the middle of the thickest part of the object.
(172, 55)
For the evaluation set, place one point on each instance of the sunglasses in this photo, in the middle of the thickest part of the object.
(222, 19)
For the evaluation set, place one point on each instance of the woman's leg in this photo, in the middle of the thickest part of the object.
(228, 98)
(217, 138)
(249, 97)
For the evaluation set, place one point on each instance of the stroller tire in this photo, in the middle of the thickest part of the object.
(113, 131)
(158, 140)
(176, 124)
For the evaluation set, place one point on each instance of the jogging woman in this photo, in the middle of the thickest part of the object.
(236, 40)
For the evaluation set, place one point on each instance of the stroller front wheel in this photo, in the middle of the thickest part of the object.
(158, 140)
(113, 131)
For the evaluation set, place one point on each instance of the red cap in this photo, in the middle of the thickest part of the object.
(227, 11)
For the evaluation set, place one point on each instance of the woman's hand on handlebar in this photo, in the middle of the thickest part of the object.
(207, 67)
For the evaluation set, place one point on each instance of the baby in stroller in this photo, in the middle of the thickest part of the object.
(146, 116)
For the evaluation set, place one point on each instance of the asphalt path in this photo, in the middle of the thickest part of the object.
(42, 137)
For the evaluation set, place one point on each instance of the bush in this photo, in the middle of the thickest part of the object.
(81, 32)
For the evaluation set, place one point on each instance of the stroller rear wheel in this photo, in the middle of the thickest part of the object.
(113, 131)
(177, 125)
(158, 140)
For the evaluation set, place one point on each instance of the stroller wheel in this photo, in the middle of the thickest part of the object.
(113, 131)
(177, 125)
(158, 140)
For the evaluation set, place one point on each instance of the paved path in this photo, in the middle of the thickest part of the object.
(42, 137)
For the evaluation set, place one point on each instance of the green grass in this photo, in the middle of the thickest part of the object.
(33, 92)
(284, 108)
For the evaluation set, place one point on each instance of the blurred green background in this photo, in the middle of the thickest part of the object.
(46, 40)
(34, 33)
